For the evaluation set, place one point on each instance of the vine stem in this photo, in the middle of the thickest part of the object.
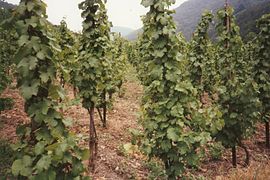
(104, 110)
(247, 160)
(267, 138)
(75, 91)
(234, 159)
(100, 115)
(93, 143)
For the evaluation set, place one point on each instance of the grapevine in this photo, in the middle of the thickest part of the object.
(66, 55)
(262, 69)
(95, 70)
(200, 55)
(175, 125)
(237, 92)
(46, 148)
(118, 63)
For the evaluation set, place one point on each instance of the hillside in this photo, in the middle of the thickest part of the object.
(124, 31)
(247, 12)
(6, 5)
(247, 19)
(189, 13)
(133, 35)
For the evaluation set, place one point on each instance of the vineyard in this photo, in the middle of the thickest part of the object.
(94, 105)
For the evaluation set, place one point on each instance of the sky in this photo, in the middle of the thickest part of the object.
(124, 13)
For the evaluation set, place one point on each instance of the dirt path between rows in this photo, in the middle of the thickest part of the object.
(112, 163)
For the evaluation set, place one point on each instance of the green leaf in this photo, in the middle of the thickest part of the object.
(22, 166)
(172, 134)
(23, 51)
(30, 5)
(44, 77)
(16, 167)
(181, 88)
(32, 62)
(23, 40)
(44, 163)
(177, 111)
(27, 161)
(41, 55)
(44, 134)
(147, 3)
(31, 90)
(39, 148)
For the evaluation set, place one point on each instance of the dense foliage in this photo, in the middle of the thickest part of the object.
(95, 67)
(119, 60)
(95, 71)
(46, 148)
(237, 91)
(262, 69)
(66, 54)
(201, 60)
(175, 125)
(262, 66)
